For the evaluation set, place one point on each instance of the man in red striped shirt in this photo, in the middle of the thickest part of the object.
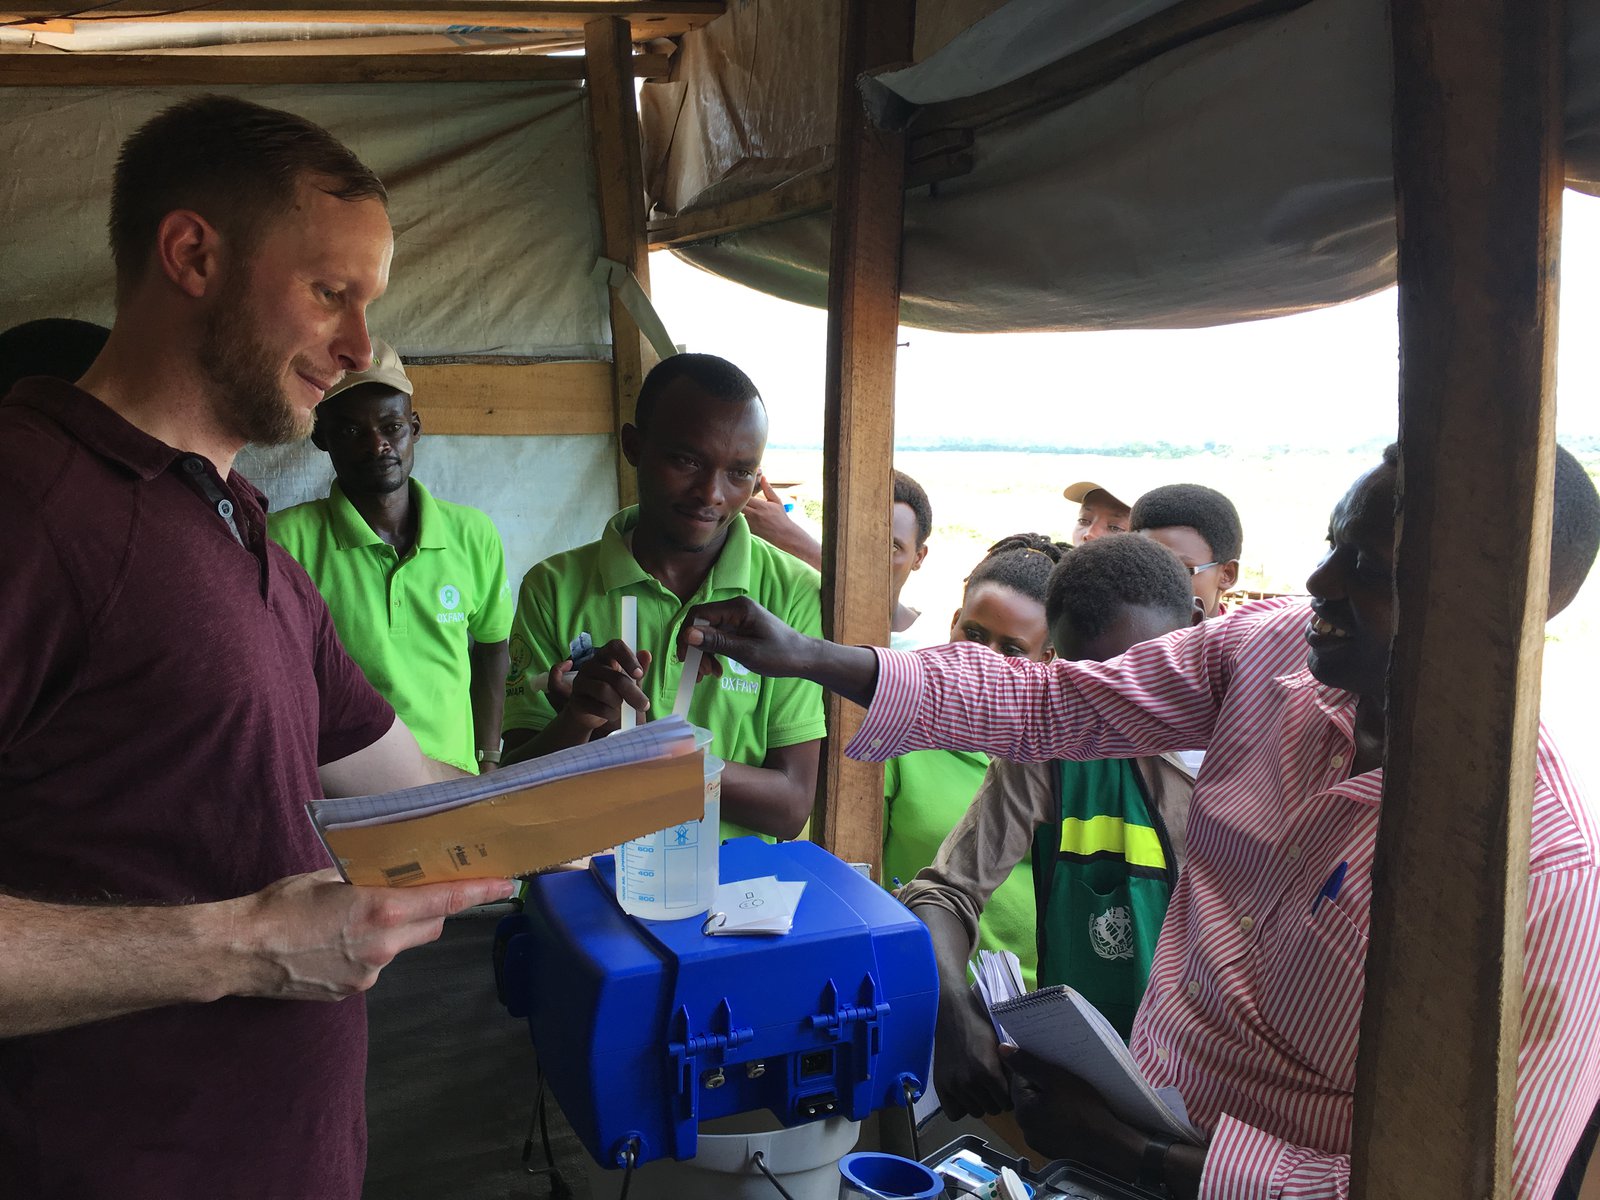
(1254, 1001)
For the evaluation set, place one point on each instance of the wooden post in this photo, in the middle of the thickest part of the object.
(619, 190)
(858, 437)
(1478, 179)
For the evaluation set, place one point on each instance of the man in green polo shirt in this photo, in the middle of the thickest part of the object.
(697, 439)
(417, 586)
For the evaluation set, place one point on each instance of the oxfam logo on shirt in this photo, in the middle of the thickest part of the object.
(450, 601)
(738, 679)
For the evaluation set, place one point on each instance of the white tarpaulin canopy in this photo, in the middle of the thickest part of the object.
(491, 194)
(1245, 174)
(492, 198)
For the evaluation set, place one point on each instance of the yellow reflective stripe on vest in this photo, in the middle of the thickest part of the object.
(1140, 845)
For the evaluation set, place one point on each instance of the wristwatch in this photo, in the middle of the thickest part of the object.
(1153, 1166)
(489, 756)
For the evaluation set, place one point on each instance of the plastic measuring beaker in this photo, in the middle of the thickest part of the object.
(672, 873)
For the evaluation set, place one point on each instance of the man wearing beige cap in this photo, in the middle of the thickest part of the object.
(1100, 510)
(417, 586)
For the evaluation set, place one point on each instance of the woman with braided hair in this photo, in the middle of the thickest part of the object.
(926, 793)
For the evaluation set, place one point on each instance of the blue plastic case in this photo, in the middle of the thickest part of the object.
(644, 1029)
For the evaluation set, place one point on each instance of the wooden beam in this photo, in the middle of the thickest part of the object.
(1478, 176)
(523, 399)
(647, 19)
(796, 197)
(83, 69)
(1097, 64)
(858, 430)
(619, 191)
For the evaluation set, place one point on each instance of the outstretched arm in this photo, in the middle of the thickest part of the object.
(308, 937)
(1162, 695)
(742, 630)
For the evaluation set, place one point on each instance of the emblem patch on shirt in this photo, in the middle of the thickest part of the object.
(521, 656)
(1111, 933)
(738, 678)
(450, 601)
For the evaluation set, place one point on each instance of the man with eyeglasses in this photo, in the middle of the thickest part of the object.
(1201, 526)
(696, 441)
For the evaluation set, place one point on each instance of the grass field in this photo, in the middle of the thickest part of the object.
(1284, 502)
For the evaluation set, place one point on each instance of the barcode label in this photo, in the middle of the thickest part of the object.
(403, 874)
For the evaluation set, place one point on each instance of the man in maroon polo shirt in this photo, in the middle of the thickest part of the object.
(173, 692)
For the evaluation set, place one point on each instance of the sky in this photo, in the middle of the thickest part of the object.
(1250, 385)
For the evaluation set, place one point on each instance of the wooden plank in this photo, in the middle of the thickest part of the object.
(1097, 64)
(858, 431)
(797, 197)
(161, 70)
(1478, 177)
(523, 399)
(619, 191)
(647, 18)
(792, 198)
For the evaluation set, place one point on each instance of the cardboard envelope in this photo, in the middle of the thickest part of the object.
(525, 830)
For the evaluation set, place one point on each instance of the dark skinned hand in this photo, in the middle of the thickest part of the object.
(967, 1070)
(557, 686)
(602, 686)
(747, 633)
(1063, 1117)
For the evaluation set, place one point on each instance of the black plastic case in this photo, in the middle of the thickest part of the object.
(1061, 1178)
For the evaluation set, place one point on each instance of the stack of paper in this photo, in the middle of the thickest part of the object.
(520, 818)
(765, 905)
(998, 978)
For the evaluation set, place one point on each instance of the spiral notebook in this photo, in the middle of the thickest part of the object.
(1059, 1026)
(521, 818)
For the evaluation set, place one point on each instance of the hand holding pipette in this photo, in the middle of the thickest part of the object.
(742, 630)
(605, 691)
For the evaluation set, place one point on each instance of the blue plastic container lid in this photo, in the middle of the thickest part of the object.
(889, 1175)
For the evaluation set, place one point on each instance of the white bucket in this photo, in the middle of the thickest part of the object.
(805, 1160)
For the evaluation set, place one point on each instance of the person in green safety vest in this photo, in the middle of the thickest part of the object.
(926, 793)
(1106, 838)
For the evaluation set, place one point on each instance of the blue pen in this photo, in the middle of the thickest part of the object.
(896, 882)
(581, 650)
(1330, 890)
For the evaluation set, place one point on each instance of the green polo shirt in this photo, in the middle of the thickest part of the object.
(581, 590)
(926, 793)
(410, 624)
